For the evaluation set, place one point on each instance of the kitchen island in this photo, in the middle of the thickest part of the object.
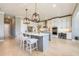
(43, 40)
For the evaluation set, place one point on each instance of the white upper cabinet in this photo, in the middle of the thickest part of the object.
(62, 23)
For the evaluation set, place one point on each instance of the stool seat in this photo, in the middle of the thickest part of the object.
(24, 38)
(31, 40)
(30, 44)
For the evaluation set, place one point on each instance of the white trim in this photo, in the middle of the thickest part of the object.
(1, 40)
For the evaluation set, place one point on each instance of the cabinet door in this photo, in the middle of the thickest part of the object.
(69, 36)
(64, 23)
(45, 42)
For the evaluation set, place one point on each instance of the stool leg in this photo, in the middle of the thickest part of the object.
(26, 46)
(20, 42)
(36, 46)
(30, 49)
(23, 44)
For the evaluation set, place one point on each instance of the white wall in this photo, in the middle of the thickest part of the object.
(23, 26)
(75, 23)
(17, 25)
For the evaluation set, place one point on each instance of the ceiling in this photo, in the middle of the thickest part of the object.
(46, 10)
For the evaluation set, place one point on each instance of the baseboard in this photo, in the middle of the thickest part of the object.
(1, 40)
(73, 40)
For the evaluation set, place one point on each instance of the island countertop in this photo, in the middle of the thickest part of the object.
(36, 34)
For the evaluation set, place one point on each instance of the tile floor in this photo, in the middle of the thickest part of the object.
(57, 47)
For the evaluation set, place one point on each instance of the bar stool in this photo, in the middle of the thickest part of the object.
(18, 39)
(23, 40)
(30, 44)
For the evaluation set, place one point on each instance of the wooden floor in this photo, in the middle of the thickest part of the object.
(57, 47)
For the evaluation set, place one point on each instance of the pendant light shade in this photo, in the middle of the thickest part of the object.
(35, 16)
(26, 19)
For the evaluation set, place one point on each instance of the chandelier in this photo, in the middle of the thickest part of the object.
(26, 19)
(35, 16)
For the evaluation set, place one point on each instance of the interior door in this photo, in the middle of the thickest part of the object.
(7, 30)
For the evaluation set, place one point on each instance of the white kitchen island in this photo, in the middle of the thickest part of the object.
(43, 40)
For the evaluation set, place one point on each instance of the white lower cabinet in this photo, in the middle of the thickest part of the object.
(69, 35)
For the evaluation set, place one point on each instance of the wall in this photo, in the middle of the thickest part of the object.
(1, 25)
(17, 25)
(75, 22)
(23, 26)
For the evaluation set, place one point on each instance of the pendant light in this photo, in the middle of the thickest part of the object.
(26, 19)
(35, 16)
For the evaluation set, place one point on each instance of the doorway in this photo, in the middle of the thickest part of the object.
(9, 27)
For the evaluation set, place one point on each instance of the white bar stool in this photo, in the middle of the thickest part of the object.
(23, 39)
(30, 44)
(18, 39)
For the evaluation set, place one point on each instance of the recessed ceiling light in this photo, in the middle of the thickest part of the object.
(65, 9)
(54, 5)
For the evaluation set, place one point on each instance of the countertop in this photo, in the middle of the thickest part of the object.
(36, 34)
